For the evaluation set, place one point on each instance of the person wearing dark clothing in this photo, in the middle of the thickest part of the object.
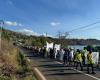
(41, 52)
(58, 55)
(84, 57)
(44, 52)
(51, 53)
(65, 57)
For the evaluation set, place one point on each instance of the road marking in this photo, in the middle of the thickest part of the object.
(87, 74)
(81, 72)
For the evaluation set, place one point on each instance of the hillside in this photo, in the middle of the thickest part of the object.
(40, 41)
(13, 63)
(8, 60)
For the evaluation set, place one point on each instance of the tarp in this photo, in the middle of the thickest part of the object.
(49, 45)
(95, 57)
(57, 46)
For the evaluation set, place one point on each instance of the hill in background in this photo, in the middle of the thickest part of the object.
(16, 37)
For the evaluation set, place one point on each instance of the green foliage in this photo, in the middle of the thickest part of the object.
(16, 62)
(5, 34)
(98, 48)
(35, 43)
(89, 47)
(43, 40)
(95, 49)
(24, 68)
(24, 65)
(4, 78)
(21, 59)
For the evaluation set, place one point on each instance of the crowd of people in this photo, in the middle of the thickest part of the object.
(68, 57)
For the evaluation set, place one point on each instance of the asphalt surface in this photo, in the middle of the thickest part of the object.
(54, 70)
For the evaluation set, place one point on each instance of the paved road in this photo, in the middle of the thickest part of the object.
(54, 70)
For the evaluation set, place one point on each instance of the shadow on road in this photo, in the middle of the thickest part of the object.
(67, 74)
(46, 61)
(51, 65)
(59, 70)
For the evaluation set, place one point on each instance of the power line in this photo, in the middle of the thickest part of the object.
(84, 27)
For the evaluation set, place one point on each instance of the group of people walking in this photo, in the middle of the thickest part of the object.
(80, 59)
(70, 57)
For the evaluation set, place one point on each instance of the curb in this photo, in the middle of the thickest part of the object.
(38, 74)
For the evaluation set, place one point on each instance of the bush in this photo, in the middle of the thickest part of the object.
(21, 59)
(24, 65)
(4, 78)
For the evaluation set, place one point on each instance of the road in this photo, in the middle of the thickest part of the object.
(54, 70)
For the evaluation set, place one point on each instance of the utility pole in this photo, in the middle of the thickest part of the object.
(1, 28)
(59, 34)
(66, 34)
(46, 34)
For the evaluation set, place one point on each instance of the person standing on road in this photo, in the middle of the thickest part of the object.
(70, 56)
(65, 57)
(84, 56)
(41, 52)
(90, 62)
(61, 54)
(45, 52)
(79, 59)
(51, 53)
(75, 58)
(58, 55)
(55, 53)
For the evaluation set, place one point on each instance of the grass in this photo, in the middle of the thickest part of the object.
(13, 64)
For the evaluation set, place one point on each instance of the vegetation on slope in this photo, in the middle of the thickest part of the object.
(13, 63)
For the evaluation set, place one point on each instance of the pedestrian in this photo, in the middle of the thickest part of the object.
(55, 53)
(75, 57)
(70, 56)
(51, 53)
(90, 62)
(45, 52)
(84, 56)
(58, 55)
(79, 59)
(61, 54)
(65, 57)
(41, 52)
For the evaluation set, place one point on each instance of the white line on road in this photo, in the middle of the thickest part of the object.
(81, 72)
(87, 74)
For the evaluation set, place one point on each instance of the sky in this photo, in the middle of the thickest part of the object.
(52, 16)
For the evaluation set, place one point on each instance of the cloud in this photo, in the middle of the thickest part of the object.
(46, 35)
(55, 23)
(10, 23)
(28, 32)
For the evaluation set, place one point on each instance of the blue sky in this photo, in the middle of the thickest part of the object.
(51, 16)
